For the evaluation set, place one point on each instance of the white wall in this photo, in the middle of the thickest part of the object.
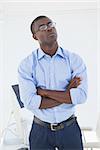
(1, 68)
(77, 31)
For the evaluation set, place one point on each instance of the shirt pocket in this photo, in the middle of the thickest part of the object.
(64, 76)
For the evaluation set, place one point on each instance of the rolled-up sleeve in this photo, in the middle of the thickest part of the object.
(79, 94)
(27, 84)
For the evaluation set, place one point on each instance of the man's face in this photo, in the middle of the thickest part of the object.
(47, 36)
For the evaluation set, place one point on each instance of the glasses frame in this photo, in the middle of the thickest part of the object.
(44, 27)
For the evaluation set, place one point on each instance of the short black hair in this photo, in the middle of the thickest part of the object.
(36, 19)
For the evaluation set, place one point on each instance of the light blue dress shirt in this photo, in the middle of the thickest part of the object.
(54, 73)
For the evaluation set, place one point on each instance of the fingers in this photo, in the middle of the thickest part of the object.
(75, 82)
(75, 79)
(39, 90)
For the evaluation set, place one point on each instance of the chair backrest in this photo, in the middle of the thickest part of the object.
(98, 126)
(17, 93)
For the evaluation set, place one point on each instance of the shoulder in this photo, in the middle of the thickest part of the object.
(29, 60)
(72, 56)
(70, 53)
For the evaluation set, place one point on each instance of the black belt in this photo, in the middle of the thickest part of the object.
(55, 126)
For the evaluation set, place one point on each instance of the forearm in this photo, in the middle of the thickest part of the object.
(59, 96)
(48, 103)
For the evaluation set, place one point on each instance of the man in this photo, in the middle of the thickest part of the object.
(52, 82)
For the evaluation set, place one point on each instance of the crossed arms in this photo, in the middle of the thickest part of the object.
(52, 98)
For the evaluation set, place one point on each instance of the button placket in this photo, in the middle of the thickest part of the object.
(51, 74)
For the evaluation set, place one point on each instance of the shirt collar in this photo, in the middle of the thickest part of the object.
(40, 53)
(58, 52)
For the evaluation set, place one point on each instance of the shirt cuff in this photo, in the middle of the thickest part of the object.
(75, 96)
(35, 102)
(78, 96)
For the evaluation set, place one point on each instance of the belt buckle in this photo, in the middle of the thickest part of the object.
(52, 125)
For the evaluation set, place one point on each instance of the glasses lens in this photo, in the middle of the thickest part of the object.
(43, 27)
(51, 24)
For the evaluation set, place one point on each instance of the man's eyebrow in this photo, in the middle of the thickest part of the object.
(45, 24)
(41, 25)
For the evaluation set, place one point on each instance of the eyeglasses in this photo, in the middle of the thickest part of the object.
(46, 26)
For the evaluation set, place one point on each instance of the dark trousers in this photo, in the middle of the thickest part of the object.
(68, 138)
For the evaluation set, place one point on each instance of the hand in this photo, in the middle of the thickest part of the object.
(74, 83)
(41, 92)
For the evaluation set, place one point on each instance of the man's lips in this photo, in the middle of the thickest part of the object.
(52, 34)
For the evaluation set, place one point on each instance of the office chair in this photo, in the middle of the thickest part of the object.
(23, 117)
(16, 90)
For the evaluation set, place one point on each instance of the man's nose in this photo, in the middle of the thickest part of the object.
(49, 28)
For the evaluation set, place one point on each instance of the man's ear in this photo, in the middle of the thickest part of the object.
(34, 36)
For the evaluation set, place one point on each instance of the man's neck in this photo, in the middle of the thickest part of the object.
(50, 49)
